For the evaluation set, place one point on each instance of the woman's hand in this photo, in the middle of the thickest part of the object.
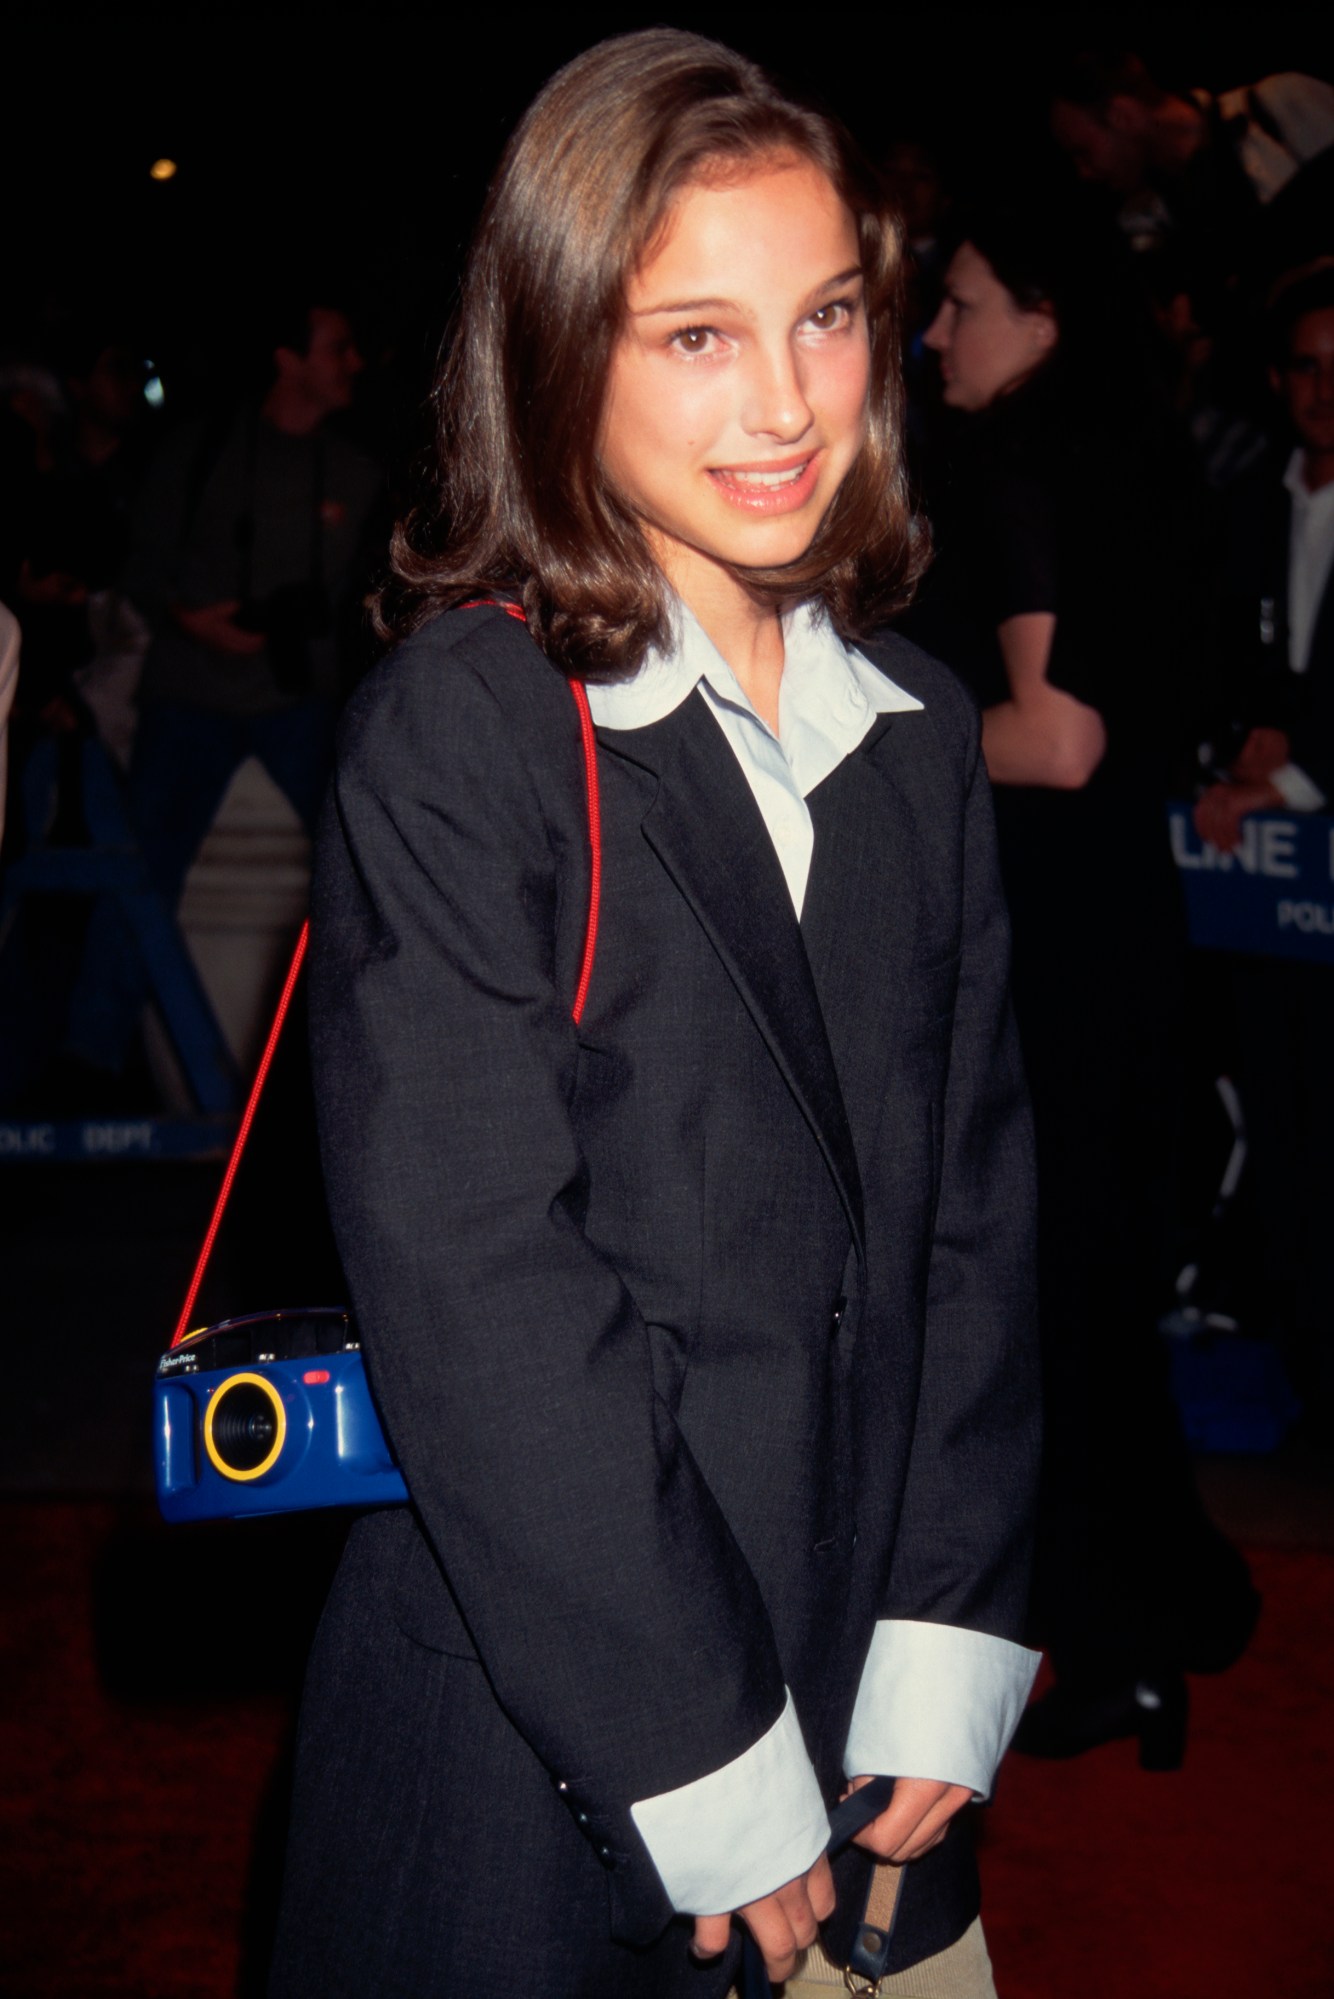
(213, 626)
(916, 1818)
(782, 1924)
(1041, 735)
(1263, 752)
(1219, 813)
(54, 587)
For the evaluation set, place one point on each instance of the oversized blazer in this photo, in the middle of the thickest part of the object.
(703, 1329)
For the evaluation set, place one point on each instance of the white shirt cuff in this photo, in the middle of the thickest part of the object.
(1299, 792)
(739, 1832)
(937, 1701)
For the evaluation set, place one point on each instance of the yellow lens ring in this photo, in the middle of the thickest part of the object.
(280, 1415)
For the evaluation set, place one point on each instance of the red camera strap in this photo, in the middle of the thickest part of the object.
(588, 743)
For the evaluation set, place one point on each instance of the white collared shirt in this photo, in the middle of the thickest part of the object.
(934, 1700)
(827, 700)
(1310, 555)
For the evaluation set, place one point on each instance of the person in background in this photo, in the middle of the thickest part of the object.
(1279, 631)
(71, 458)
(115, 432)
(248, 560)
(916, 186)
(1068, 591)
(1225, 185)
(73, 439)
(10, 646)
(1281, 603)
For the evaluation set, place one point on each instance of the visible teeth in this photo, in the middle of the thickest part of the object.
(766, 478)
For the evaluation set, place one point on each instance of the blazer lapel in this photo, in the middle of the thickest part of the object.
(860, 916)
(707, 831)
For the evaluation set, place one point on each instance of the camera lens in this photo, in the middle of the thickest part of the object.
(245, 1419)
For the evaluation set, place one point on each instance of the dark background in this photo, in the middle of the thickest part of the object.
(148, 1675)
(360, 143)
(363, 140)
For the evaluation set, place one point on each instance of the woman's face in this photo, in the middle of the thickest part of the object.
(736, 400)
(987, 343)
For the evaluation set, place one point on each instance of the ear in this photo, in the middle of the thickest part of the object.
(1045, 330)
(1276, 380)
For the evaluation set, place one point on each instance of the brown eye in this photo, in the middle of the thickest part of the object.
(829, 318)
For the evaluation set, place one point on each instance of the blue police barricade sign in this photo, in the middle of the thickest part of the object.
(1273, 898)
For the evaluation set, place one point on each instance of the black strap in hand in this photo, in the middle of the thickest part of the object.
(857, 1811)
(846, 1820)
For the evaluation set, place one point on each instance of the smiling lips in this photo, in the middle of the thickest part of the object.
(777, 487)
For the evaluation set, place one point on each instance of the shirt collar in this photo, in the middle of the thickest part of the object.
(824, 681)
(1294, 478)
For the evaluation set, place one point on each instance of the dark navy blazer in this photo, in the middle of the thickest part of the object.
(703, 1331)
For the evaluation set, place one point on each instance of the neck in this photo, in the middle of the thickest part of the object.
(745, 629)
(289, 409)
(1317, 471)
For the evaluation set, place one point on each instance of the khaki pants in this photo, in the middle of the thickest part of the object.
(961, 1972)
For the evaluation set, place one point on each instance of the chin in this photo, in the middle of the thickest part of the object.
(771, 551)
(775, 543)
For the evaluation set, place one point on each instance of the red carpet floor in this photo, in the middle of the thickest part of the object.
(134, 1785)
(1211, 1882)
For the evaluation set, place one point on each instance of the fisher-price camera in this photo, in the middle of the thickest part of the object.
(269, 1414)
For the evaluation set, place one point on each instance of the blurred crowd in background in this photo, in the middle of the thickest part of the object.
(1120, 367)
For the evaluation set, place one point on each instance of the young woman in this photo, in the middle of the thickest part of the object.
(1071, 594)
(701, 1325)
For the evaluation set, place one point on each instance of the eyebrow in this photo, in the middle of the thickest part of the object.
(729, 305)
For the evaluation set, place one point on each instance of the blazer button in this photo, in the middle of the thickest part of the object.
(840, 1307)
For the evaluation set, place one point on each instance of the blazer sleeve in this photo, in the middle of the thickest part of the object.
(948, 1674)
(615, 1616)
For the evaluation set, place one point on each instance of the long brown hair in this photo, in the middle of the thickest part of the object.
(516, 500)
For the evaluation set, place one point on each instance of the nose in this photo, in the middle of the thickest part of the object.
(776, 404)
(936, 336)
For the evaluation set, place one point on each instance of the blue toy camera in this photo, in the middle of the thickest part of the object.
(269, 1414)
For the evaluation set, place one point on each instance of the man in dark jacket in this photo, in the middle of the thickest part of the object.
(1281, 625)
(1281, 620)
(247, 544)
